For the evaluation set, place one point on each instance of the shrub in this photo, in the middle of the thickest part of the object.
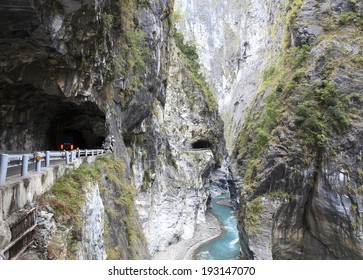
(322, 111)
(350, 18)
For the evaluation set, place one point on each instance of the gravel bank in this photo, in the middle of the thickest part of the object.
(184, 249)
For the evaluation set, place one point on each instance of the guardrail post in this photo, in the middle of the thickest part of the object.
(4, 159)
(38, 165)
(67, 157)
(85, 153)
(47, 158)
(25, 166)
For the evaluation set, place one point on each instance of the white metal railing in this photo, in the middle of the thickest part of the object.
(7, 161)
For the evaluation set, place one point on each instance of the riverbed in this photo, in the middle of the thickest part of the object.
(226, 246)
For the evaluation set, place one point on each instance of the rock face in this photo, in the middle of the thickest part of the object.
(52, 238)
(72, 66)
(48, 76)
(296, 151)
(234, 43)
(176, 184)
(98, 70)
(300, 150)
(288, 75)
(80, 69)
(93, 229)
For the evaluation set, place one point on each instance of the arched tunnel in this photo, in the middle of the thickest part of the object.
(81, 126)
(201, 144)
(32, 120)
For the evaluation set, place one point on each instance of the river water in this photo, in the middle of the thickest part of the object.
(226, 246)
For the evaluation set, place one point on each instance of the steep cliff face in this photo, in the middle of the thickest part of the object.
(92, 69)
(234, 45)
(189, 147)
(288, 75)
(80, 68)
(289, 82)
(300, 150)
(89, 214)
(85, 70)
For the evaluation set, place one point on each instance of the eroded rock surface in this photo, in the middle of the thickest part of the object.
(307, 176)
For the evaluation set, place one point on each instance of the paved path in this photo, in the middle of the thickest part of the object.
(16, 170)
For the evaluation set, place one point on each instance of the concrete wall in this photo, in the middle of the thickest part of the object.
(23, 191)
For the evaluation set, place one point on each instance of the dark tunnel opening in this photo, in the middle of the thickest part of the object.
(31, 120)
(81, 126)
(202, 144)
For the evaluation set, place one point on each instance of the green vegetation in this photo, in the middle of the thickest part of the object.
(176, 16)
(261, 129)
(131, 53)
(108, 21)
(254, 209)
(353, 17)
(146, 184)
(350, 18)
(252, 221)
(279, 81)
(191, 60)
(188, 49)
(280, 196)
(132, 56)
(120, 209)
(66, 197)
(316, 108)
(323, 109)
(133, 138)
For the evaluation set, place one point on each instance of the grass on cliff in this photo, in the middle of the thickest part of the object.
(191, 59)
(254, 210)
(131, 52)
(318, 108)
(121, 217)
(311, 110)
(253, 220)
(66, 197)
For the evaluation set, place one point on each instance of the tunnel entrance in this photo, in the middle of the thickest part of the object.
(202, 144)
(31, 120)
(78, 126)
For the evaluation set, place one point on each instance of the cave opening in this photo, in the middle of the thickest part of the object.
(31, 120)
(77, 126)
(201, 144)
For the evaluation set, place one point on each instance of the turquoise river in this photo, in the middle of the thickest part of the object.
(226, 246)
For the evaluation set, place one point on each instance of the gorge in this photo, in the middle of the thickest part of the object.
(259, 99)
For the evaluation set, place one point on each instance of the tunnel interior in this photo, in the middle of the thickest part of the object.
(82, 126)
(34, 121)
(201, 144)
